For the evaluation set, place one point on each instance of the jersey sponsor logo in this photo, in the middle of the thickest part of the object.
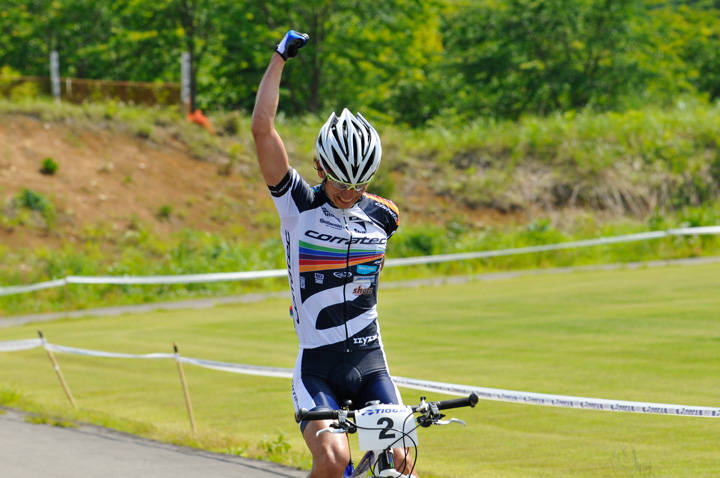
(364, 340)
(357, 224)
(302, 282)
(344, 240)
(360, 290)
(359, 228)
(330, 224)
(363, 269)
(294, 396)
(342, 275)
(385, 204)
(334, 222)
(368, 280)
(319, 278)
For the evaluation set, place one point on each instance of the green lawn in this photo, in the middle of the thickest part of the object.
(650, 335)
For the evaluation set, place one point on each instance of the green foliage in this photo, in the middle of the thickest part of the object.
(12, 86)
(410, 62)
(49, 167)
(9, 396)
(453, 237)
(382, 185)
(138, 252)
(34, 201)
(624, 162)
(276, 449)
(45, 420)
(31, 208)
(420, 241)
(164, 212)
(541, 56)
(565, 177)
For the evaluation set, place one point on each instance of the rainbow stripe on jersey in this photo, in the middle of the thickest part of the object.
(320, 258)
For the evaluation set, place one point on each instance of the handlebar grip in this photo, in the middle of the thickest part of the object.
(305, 414)
(469, 401)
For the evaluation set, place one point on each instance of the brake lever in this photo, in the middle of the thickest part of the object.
(448, 422)
(330, 430)
(342, 426)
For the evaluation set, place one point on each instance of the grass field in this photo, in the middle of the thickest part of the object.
(650, 335)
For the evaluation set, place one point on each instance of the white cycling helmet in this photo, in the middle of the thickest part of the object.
(348, 148)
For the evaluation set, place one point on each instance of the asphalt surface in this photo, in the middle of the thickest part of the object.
(43, 451)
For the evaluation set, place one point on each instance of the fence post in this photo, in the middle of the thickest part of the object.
(188, 403)
(57, 370)
(55, 74)
(185, 80)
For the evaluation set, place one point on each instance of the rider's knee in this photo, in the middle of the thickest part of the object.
(332, 463)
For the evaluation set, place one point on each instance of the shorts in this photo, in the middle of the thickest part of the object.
(325, 379)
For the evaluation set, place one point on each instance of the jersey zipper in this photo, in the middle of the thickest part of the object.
(345, 281)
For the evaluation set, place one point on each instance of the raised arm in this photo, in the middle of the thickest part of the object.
(272, 156)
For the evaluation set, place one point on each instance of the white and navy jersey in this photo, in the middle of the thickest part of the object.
(334, 257)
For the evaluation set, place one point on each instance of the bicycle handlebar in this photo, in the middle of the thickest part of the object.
(305, 414)
(469, 401)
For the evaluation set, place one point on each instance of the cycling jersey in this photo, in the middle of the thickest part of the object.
(334, 257)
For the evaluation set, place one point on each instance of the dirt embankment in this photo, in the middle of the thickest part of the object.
(109, 182)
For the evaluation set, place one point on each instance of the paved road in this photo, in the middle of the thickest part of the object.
(43, 451)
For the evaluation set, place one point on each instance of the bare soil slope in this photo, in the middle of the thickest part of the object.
(112, 181)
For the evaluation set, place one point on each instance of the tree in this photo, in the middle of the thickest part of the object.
(358, 54)
(686, 44)
(541, 55)
(402, 60)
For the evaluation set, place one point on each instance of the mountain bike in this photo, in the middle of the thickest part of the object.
(380, 428)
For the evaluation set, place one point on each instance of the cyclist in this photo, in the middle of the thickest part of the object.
(334, 236)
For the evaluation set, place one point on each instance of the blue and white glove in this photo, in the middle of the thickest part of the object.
(291, 43)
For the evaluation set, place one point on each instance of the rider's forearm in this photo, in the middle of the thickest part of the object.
(271, 153)
(268, 95)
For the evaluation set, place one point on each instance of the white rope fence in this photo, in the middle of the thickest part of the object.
(484, 393)
(407, 261)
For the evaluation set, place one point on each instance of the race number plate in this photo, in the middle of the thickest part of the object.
(381, 426)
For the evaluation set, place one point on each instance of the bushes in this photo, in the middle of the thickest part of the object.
(29, 208)
(626, 163)
(49, 167)
(653, 168)
(195, 252)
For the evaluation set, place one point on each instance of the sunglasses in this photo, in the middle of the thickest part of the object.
(343, 186)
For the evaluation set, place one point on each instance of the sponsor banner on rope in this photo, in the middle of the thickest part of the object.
(528, 398)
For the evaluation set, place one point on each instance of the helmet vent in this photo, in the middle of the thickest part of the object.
(349, 148)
